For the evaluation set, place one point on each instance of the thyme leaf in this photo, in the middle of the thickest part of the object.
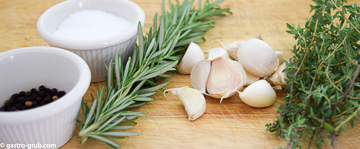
(323, 82)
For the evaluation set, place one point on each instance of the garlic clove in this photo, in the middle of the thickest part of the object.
(217, 52)
(226, 78)
(193, 101)
(278, 78)
(231, 48)
(257, 57)
(199, 75)
(280, 56)
(258, 94)
(250, 78)
(192, 55)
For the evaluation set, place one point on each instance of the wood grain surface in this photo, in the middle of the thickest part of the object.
(230, 124)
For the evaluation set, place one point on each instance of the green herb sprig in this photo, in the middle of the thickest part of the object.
(323, 82)
(132, 84)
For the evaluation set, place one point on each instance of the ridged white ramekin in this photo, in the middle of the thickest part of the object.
(95, 53)
(30, 67)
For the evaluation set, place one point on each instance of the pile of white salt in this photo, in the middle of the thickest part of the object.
(91, 25)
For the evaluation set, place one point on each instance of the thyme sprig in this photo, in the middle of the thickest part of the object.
(132, 84)
(323, 82)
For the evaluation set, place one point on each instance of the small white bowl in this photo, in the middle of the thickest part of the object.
(94, 52)
(26, 68)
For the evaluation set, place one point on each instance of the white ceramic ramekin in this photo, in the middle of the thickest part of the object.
(26, 68)
(97, 52)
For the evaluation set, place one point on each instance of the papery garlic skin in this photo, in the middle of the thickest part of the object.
(192, 55)
(280, 56)
(217, 52)
(259, 94)
(231, 48)
(278, 78)
(257, 57)
(192, 100)
(250, 78)
(226, 78)
(199, 75)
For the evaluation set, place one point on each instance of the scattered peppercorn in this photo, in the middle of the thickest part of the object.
(31, 99)
(6, 102)
(28, 104)
(55, 97)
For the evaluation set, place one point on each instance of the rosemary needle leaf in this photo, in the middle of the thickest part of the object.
(106, 140)
(143, 99)
(147, 94)
(137, 104)
(106, 124)
(131, 84)
(122, 127)
(162, 69)
(151, 90)
(120, 133)
(90, 114)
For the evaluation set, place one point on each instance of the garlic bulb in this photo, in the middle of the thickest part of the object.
(225, 79)
(258, 94)
(257, 57)
(199, 75)
(217, 52)
(280, 56)
(193, 101)
(192, 55)
(250, 78)
(278, 78)
(232, 48)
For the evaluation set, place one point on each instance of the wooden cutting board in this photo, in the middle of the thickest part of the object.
(230, 124)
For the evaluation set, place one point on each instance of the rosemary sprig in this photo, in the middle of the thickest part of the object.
(323, 82)
(132, 84)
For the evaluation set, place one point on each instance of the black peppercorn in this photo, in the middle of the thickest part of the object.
(30, 98)
(27, 94)
(23, 108)
(8, 105)
(18, 105)
(61, 93)
(22, 93)
(42, 88)
(54, 90)
(34, 104)
(47, 90)
(42, 103)
(41, 93)
(22, 100)
(14, 96)
(33, 90)
(48, 99)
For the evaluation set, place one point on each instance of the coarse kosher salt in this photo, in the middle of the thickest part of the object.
(91, 25)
